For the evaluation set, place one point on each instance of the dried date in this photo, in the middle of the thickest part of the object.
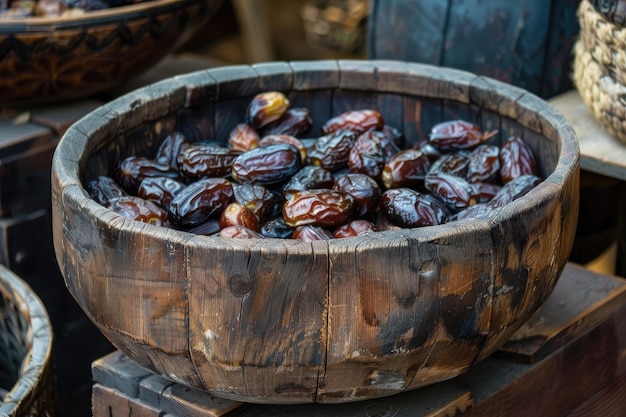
(325, 208)
(170, 148)
(236, 214)
(160, 190)
(516, 159)
(243, 138)
(199, 201)
(484, 164)
(455, 191)
(294, 122)
(267, 165)
(407, 168)
(132, 170)
(332, 151)
(136, 208)
(457, 134)
(355, 228)
(104, 189)
(409, 208)
(358, 121)
(266, 108)
(202, 161)
(310, 233)
(363, 189)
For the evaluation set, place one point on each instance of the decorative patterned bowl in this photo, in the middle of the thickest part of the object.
(55, 59)
(286, 320)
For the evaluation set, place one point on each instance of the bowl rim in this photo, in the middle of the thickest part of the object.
(542, 194)
(91, 18)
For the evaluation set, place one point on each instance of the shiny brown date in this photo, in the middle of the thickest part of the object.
(354, 228)
(455, 191)
(236, 214)
(332, 151)
(132, 170)
(136, 208)
(243, 138)
(308, 178)
(359, 121)
(325, 208)
(160, 190)
(407, 168)
(294, 122)
(286, 139)
(484, 164)
(256, 198)
(266, 108)
(513, 190)
(199, 201)
(267, 165)
(409, 208)
(240, 232)
(202, 161)
(171, 146)
(310, 233)
(516, 159)
(368, 155)
(363, 189)
(104, 189)
(457, 134)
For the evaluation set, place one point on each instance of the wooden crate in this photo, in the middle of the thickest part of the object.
(568, 360)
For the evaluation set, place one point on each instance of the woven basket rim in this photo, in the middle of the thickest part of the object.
(37, 364)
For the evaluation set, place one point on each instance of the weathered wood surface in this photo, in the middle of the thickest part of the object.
(587, 307)
(527, 44)
(288, 321)
(600, 152)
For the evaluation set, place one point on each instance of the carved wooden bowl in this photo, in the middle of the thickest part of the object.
(45, 60)
(288, 321)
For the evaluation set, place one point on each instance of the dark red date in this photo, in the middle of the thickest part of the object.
(325, 208)
(267, 165)
(132, 170)
(332, 151)
(200, 201)
(406, 168)
(359, 121)
(203, 161)
(516, 159)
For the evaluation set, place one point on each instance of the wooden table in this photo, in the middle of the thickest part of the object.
(568, 360)
(600, 153)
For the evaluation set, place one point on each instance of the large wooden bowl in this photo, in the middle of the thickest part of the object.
(45, 60)
(333, 321)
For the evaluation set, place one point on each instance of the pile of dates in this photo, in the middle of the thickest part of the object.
(356, 178)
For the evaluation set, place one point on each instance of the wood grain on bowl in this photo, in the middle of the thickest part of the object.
(288, 321)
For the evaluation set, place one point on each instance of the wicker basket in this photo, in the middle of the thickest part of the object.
(27, 379)
(600, 68)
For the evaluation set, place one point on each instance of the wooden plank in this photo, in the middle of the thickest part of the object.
(117, 372)
(60, 117)
(394, 20)
(500, 39)
(580, 300)
(107, 402)
(554, 385)
(600, 152)
(609, 402)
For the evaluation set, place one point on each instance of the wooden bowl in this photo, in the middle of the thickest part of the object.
(288, 321)
(45, 60)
